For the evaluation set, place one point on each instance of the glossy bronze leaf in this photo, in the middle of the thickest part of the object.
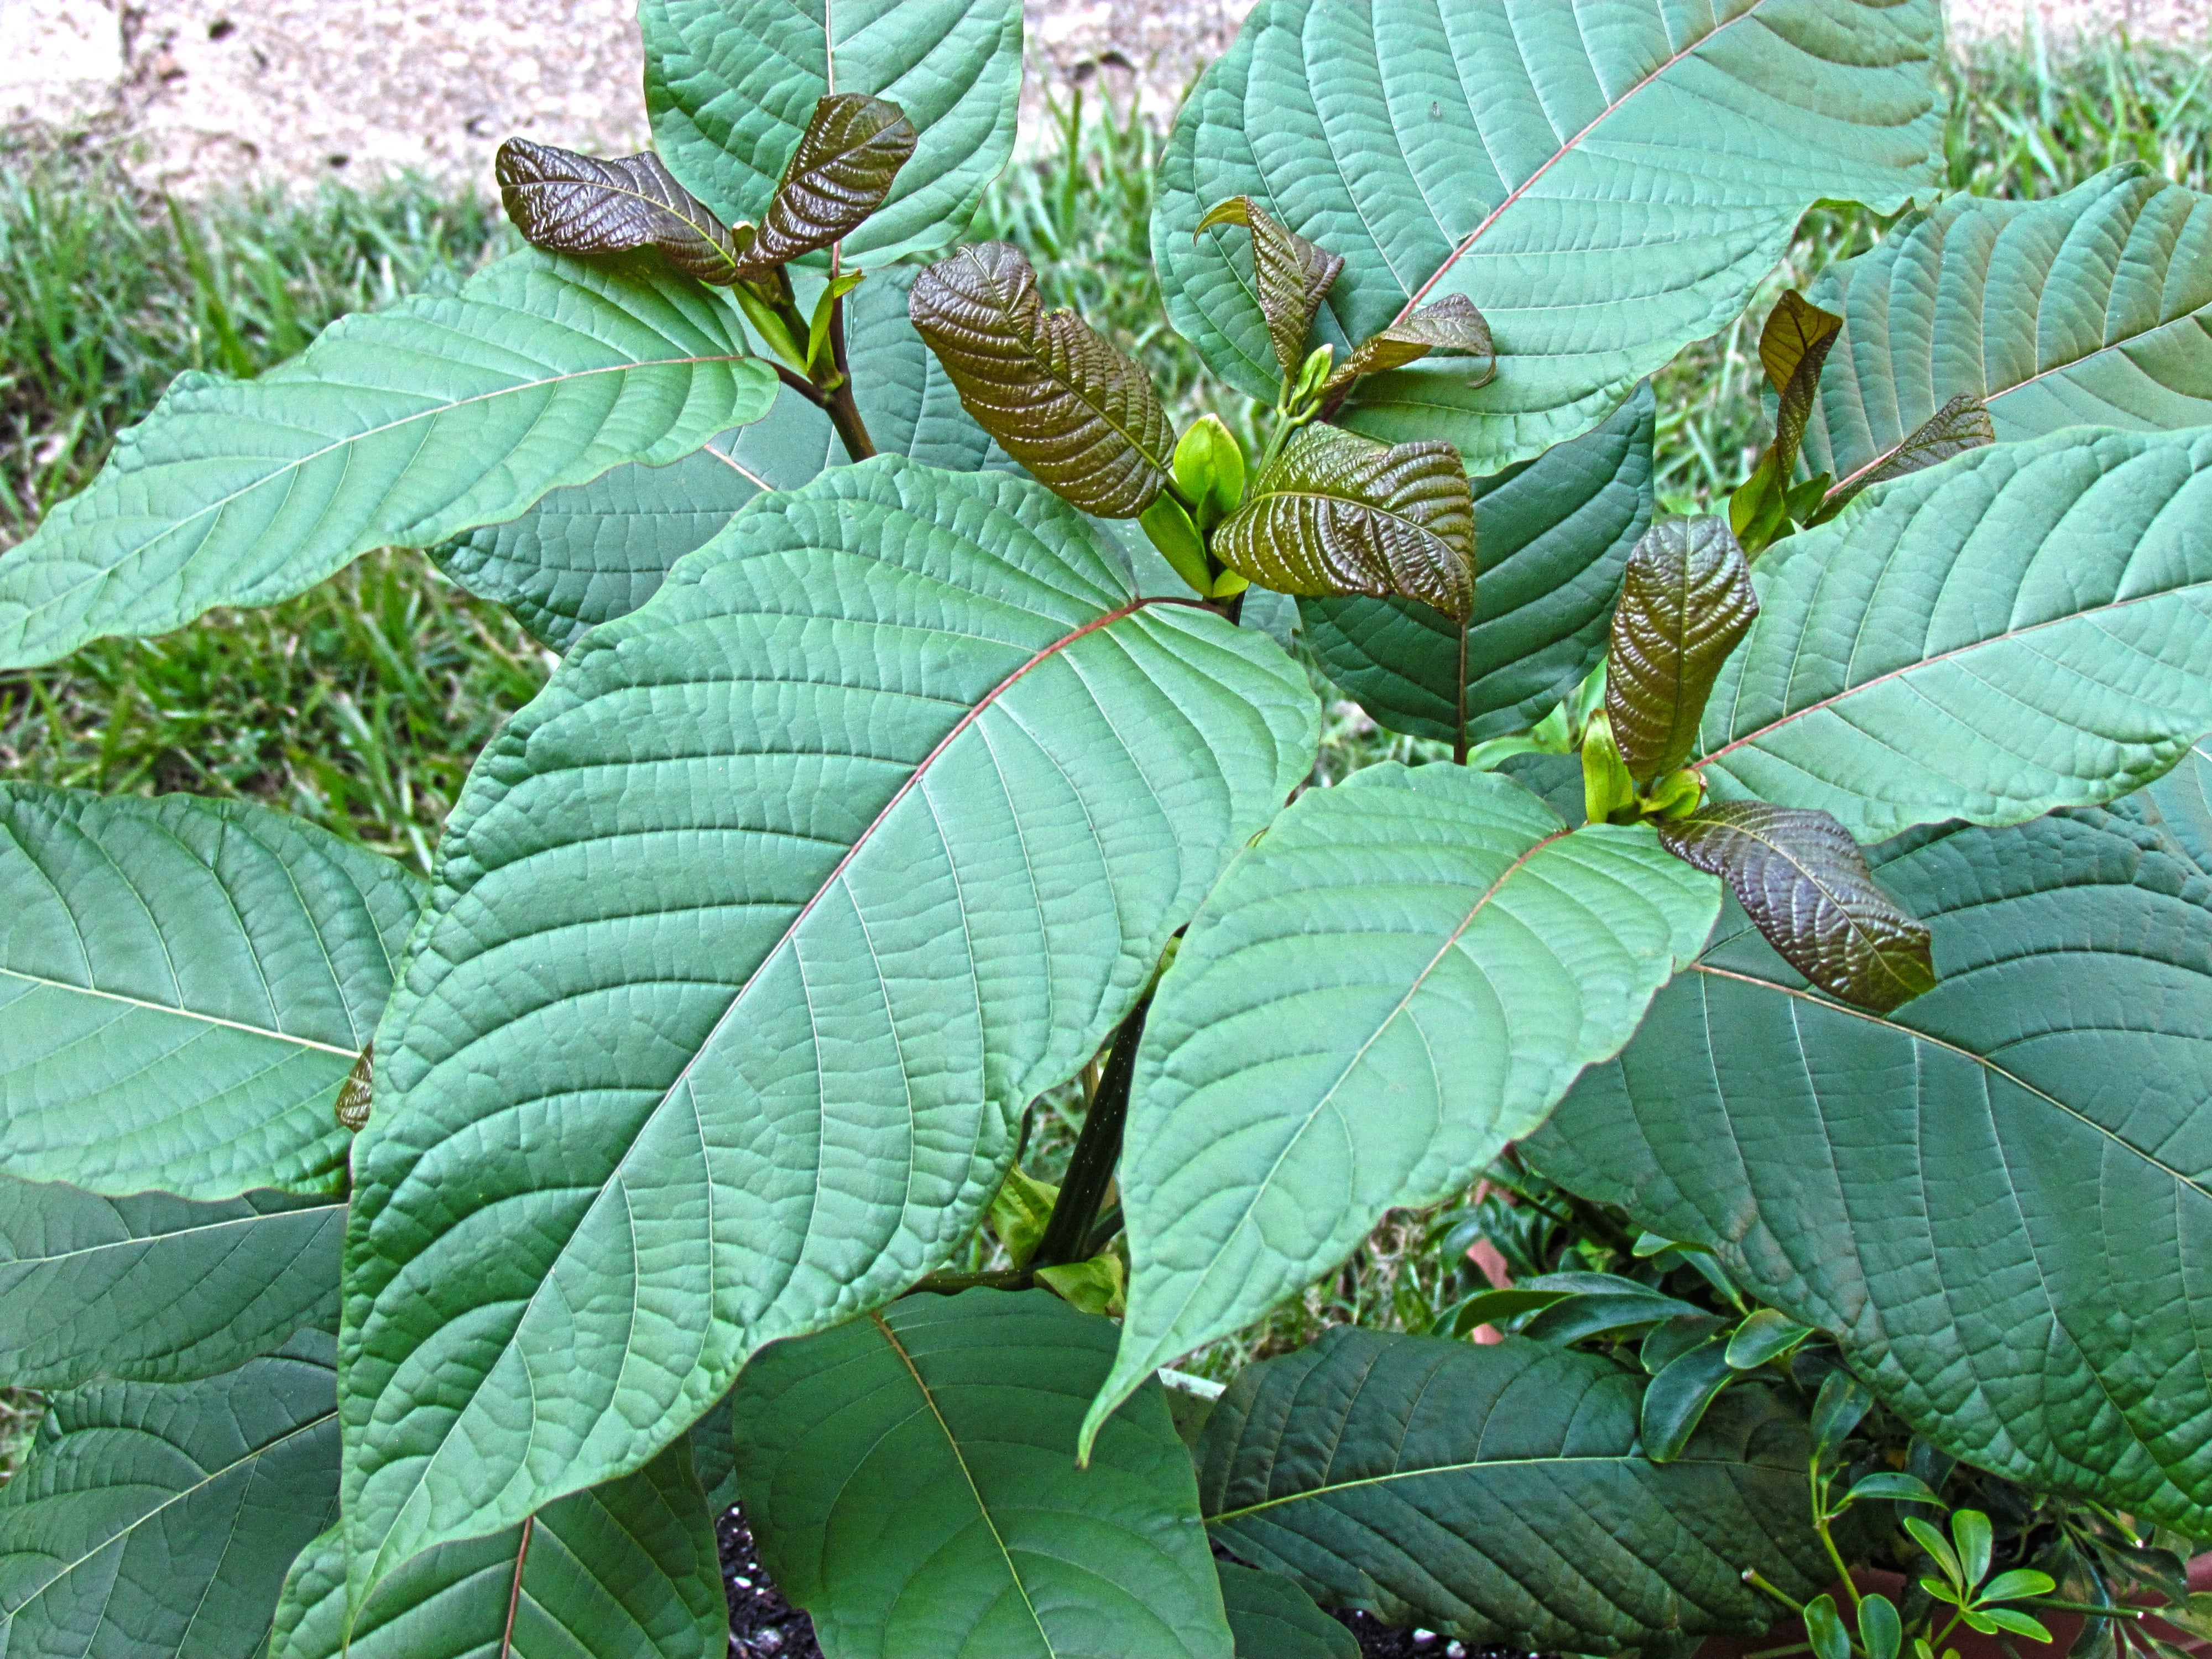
(1962, 424)
(1685, 600)
(1079, 415)
(1805, 885)
(840, 172)
(356, 1092)
(1452, 325)
(1340, 513)
(1793, 347)
(1293, 275)
(571, 203)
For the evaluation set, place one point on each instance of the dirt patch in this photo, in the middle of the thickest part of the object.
(209, 94)
(212, 94)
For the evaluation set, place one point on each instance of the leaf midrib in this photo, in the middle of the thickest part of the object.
(1567, 149)
(952, 1444)
(102, 574)
(321, 1212)
(784, 941)
(1291, 1141)
(180, 1013)
(1983, 1060)
(1790, 717)
(1607, 1460)
(206, 1480)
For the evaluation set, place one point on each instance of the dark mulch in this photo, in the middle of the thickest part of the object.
(763, 1623)
(760, 1621)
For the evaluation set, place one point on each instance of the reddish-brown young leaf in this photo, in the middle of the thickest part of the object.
(1686, 601)
(571, 203)
(1961, 424)
(1805, 885)
(1293, 275)
(1340, 513)
(1452, 324)
(1082, 418)
(844, 168)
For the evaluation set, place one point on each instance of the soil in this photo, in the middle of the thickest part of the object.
(762, 1623)
(206, 94)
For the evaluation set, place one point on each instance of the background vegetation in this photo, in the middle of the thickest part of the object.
(361, 704)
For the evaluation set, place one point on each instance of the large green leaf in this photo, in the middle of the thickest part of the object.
(1499, 1494)
(1998, 1197)
(153, 1289)
(2094, 306)
(626, 1570)
(1402, 977)
(1605, 189)
(600, 549)
(405, 426)
(732, 85)
(184, 984)
(153, 1518)
(910, 1480)
(2025, 627)
(751, 936)
(1551, 536)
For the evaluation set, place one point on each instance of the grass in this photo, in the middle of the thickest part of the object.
(359, 705)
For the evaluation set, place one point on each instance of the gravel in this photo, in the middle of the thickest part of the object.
(206, 94)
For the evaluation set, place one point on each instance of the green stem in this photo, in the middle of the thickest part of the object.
(1754, 1578)
(1937, 1645)
(1828, 1542)
(1098, 1152)
(2089, 1608)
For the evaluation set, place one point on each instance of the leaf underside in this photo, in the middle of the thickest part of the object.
(1078, 413)
(1543, 168)
(904, 797)
(626, 1570)
(184, 984)
(566, 203)
(1400, 978)
(910, 1480)
(586, 555)
(1804, 884)
(1686, 603)
(153, 1289)
(1551, 536)
(1497, 1494)
(1938, 1186)
(731, 86)
(399, 427)
(1340, 513)
(1272, 1619)
(159, 1518)
(2025, 627)
(2116, 274)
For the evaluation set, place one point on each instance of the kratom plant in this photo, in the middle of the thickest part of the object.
(414, 1268)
